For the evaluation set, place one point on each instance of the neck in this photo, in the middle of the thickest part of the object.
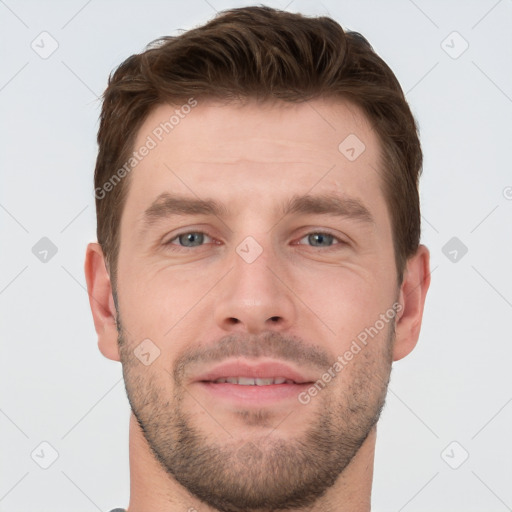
(151, 488)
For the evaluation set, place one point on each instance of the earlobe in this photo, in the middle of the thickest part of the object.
(101, 301)
(412, 298)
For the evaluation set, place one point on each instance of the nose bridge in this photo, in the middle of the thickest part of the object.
(252, 277)
(252, 297)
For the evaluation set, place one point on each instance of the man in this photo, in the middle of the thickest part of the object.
(258, 267)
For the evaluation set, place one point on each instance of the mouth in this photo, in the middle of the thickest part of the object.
(250, 381)
(243, 383)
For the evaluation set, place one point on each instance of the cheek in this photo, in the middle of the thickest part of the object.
(158, 303)
(346, 299)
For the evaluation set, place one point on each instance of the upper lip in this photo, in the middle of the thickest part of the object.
(260, 370)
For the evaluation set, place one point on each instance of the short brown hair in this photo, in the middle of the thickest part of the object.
(261, 53)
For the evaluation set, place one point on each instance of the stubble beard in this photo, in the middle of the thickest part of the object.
(263, 472)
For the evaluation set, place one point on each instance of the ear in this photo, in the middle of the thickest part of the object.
(101, 301)
(413, 291)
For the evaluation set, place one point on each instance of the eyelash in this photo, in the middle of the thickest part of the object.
(175, 247)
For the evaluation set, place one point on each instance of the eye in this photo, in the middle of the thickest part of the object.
(189, 239)
(322, 239)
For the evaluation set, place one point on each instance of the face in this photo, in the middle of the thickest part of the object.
(256, 253)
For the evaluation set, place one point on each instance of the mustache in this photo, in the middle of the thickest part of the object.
(267, 344)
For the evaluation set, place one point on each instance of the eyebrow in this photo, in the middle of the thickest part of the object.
(167, 205)
(329, 204)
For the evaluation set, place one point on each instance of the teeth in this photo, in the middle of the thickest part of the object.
(245, 381)
(249, 381)
(265, 382)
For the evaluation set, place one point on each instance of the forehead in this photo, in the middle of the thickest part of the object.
(263, 151)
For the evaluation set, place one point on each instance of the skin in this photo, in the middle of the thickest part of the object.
(302, 301)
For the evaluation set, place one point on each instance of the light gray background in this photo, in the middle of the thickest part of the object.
(455, 386)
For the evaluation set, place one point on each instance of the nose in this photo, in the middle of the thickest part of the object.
(255, 295)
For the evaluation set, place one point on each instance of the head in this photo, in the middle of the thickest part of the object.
(257, 202)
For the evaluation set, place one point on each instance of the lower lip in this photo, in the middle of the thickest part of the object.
(254, 395)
